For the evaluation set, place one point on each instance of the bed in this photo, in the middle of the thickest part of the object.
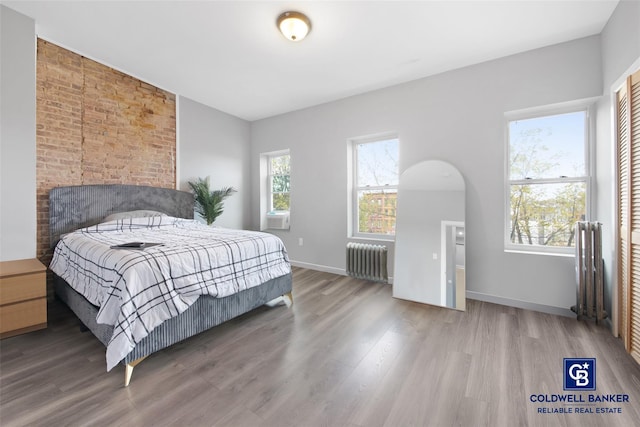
(79, 212)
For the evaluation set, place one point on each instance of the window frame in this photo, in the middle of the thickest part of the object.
(265, 200)
(270, 176)
(354, 207)
(586, 106)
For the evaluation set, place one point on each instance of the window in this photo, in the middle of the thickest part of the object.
(548, 180)
(375, 187)
(275, 190)
(279, 182)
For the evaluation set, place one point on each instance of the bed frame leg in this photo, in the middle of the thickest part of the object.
(288, 299)
(128, 370)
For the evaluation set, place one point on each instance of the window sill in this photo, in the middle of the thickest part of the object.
(390, 239)
(534, 252)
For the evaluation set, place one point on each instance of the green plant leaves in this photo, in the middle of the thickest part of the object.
(209, 204)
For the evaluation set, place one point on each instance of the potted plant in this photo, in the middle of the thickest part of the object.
(209, 204)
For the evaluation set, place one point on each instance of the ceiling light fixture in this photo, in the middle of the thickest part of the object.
(294, 25)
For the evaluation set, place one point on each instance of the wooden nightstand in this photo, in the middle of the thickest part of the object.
(23, 297)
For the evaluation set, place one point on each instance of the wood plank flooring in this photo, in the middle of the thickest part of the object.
(345, 354)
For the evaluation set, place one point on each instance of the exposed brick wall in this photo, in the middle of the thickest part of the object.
(96, 125)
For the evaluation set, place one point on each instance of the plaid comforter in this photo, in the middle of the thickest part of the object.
(137, 290)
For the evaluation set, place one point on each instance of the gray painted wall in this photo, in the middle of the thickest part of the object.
(620, 51)
(457, 117)
(17, 136)
(215, 144)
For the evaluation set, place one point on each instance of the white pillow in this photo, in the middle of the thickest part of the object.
(142, 213)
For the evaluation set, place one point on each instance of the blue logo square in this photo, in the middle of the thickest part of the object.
(580, 374)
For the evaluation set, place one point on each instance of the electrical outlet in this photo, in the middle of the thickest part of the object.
(435, 255)
(300, 241)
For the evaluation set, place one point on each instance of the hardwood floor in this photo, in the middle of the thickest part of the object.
(345, 354)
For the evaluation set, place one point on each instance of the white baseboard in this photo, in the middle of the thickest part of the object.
(560, 311)
(325, 268)
(317, 267)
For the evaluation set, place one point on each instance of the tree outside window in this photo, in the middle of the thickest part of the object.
(548, 179)
(280, 182)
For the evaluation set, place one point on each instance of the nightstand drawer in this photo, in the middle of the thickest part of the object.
(23, 317)
(23, 287)
(23, 297)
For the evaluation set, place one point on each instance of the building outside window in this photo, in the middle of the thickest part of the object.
(375, 186)
(547, 180)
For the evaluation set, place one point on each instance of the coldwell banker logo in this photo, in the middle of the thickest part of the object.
(579, 374)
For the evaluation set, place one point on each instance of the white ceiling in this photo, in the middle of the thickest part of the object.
(229, 54)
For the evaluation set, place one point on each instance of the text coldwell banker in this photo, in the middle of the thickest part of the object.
(579, 398)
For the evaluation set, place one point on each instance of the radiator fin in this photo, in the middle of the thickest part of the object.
(366, 261)
(589, 271)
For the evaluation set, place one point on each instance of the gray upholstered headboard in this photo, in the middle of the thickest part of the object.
(80, 206)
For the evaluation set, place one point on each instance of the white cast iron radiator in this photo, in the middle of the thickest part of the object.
(369, 262)
(589, 271)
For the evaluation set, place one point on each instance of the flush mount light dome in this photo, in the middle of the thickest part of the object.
(294, 25)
